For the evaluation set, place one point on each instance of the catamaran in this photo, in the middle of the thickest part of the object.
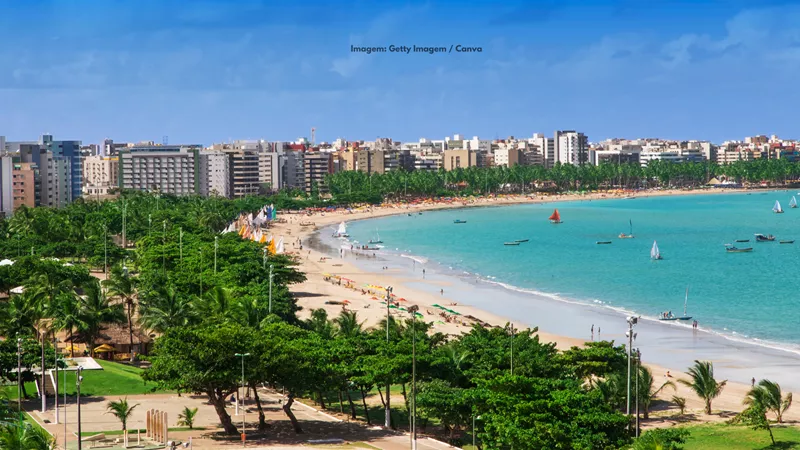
(793, 203)
(654, 253)
(762, 238)
(556, 217)
(777, 208)
(377, 240)
(627, 236)
(669, 316)
(341, 231)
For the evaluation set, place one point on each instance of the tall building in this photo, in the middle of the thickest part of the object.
(507, 155)
(169, 169)
(371, 161)
(292, 169)
(42, 160)
(269, 169)
(316, 166)
(6, 184)
(100, 175)
(61, 180)
(71, 152)
(25, 185)
(215, 174)
(571, 147)
(546, 147)
(454, 159)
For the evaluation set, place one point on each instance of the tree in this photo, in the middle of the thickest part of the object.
(186, 418)
(95, 310)
(347, 324)
(662, 439)
(121, 286)
(165, 309)
(703, 383)
(121, 410)
(768, 394)
(755, 416)
(680, 402)
(647, 391)
(24, 436)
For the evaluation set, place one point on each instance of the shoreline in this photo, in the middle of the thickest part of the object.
(424, 292)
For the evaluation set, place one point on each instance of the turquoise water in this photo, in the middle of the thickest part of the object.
(751, 296)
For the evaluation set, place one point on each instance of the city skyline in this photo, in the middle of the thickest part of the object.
(250, 70)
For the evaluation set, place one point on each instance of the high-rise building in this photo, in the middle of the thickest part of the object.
(371, 161)
(546, 148)
(42, 160)
(571, 147)
(6, 184)
(26, 189)
(269, 169)
(169, 169)
(292, 169)
(215, 173)
(100, 175)
(71, 152)
(454, 159)
(317, 166)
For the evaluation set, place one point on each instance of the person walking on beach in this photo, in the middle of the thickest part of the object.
(753, 382)
(423, 274)
(441, 291)
(592, 331)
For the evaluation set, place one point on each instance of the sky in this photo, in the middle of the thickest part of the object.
(210, 71)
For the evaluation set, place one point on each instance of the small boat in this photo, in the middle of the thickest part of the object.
(762, 238)
(459, 221)
(777, 208)
(603, 242)
(377, 240)
(409, 214)
(511, 243)
(793, 203)
(366, 247)
(627, 236)
(669, 316)
(743, 240)
(732, 249)
(654, 253)
(341, 231)
(555, 217)
(419, 214)
(787, 242)
(521, 240)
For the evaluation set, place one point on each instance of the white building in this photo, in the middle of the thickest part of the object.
(546, 148)
(169, 169)
(214, 173)
(571, 147)
(6, 183)
(100, 174)
(269, 169)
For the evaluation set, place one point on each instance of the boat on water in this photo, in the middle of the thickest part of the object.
(743, 240)
(521, 240)
(341, 231)
(511, 243)
(419, 214)
(777, 208)
(654, 253)
(459, 221)
(669, 316)
(627, 236)
(377, 239)
(367, 247)
(787, 242)
(732, 249)
(764, 238)
(793, 203)
(603, 242)
(555, 217)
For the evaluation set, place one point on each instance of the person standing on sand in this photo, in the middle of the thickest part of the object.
(753, 382)
(423, 274)
(592, 331)
(441, 291)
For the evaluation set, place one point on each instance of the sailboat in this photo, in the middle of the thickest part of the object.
(377, 240)
(793, 203)
(627, 236)
(654, 253)
(341, 231)
(668, 315)
(556, 217)
(777, 208)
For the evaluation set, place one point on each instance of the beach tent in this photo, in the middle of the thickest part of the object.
(105, 348)
(713, 182)
(6, 262)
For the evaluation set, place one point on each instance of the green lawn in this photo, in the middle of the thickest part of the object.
(114, 379)
(727, 437)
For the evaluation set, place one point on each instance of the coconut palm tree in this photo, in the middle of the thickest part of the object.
(347, 324)
(121, 410)
(703, 382)
(23, 436)
(17, 314)
(165, 309)
(647, 393)
(67, 316)
(319, 323)
(768, 394)
(216, 303)
(186, 418)
(95, 310)
(121, 286)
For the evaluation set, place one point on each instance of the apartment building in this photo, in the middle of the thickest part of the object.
(546, 147)
(42, 160)
(25, 185)
(316, 166)
(371, 161)
(215, 173)
(169, 169)
(6, 184)
(269, 170)
(507, 155)
(292, 169)
(100, 175)
(454, 159)
(70, 152)
(571, 147)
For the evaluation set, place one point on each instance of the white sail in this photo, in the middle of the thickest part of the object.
(777, 207)
(342, 229)
(279, 247)
(685, 301)
(793, 202)
(654, 253)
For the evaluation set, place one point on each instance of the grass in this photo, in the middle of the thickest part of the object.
(114, 379)
(728, 437)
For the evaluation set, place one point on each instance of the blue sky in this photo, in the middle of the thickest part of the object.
(208, 71)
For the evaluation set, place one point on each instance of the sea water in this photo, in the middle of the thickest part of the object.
(751, 297)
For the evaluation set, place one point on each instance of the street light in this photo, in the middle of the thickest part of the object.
(512, 349)
(413, 310)
(473, 429)
(638, 365)
(241, 398)
(388, 410)
(270, 288)
(78, 379)
(19, 377)
(631, 336)
(216, 245)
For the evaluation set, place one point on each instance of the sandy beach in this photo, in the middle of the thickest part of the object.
(342, 278)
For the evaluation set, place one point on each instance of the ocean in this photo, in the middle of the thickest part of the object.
(744, 297)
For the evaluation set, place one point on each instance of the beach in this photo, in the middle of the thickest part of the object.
(344, 277)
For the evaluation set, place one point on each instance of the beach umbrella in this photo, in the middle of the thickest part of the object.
(105, 348)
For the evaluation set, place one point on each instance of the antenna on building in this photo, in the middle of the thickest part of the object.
(165, 140)
(313, 132)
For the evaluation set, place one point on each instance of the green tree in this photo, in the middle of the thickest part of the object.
(123, 287)
(755, 416)
(768, 394)
(703, 383)
(662, 439)
(164, 309)
(24, 436)
(95, 311)
(647, 389)
(186, 417)
(121, 410)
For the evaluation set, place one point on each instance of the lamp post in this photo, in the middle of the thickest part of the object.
(512, 349)
(105, 249)
(19, 377)
(164, 248)
(473, 429)
(630, 335)
(270, 289)
(65, 404)
(413, 310)
(216, 246)
(241, 397)
(124, 223)
(78, 379)
(638, 366)
(180, 244)
(388, 410)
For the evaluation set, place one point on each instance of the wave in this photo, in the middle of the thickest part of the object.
(418, 259)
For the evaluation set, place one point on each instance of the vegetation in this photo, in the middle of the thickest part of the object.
(186, 418)
(768, 395)
(738, 437)
(121, 410)
(703, 383)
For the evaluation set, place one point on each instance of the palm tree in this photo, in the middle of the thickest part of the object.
(768, 394)
(95, 310)
(123, 287)
(216, 303)
(165, 309)
(646, 392)
(16, 314)
(23, 436)
(680, 402)
(67, 316)
(319, 323)
(703, 382)
(186, 418)
(347, 324)
(121, 410)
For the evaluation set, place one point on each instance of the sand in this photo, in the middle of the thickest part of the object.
(320, 288)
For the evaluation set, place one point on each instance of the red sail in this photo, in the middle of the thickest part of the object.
(556, 217)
